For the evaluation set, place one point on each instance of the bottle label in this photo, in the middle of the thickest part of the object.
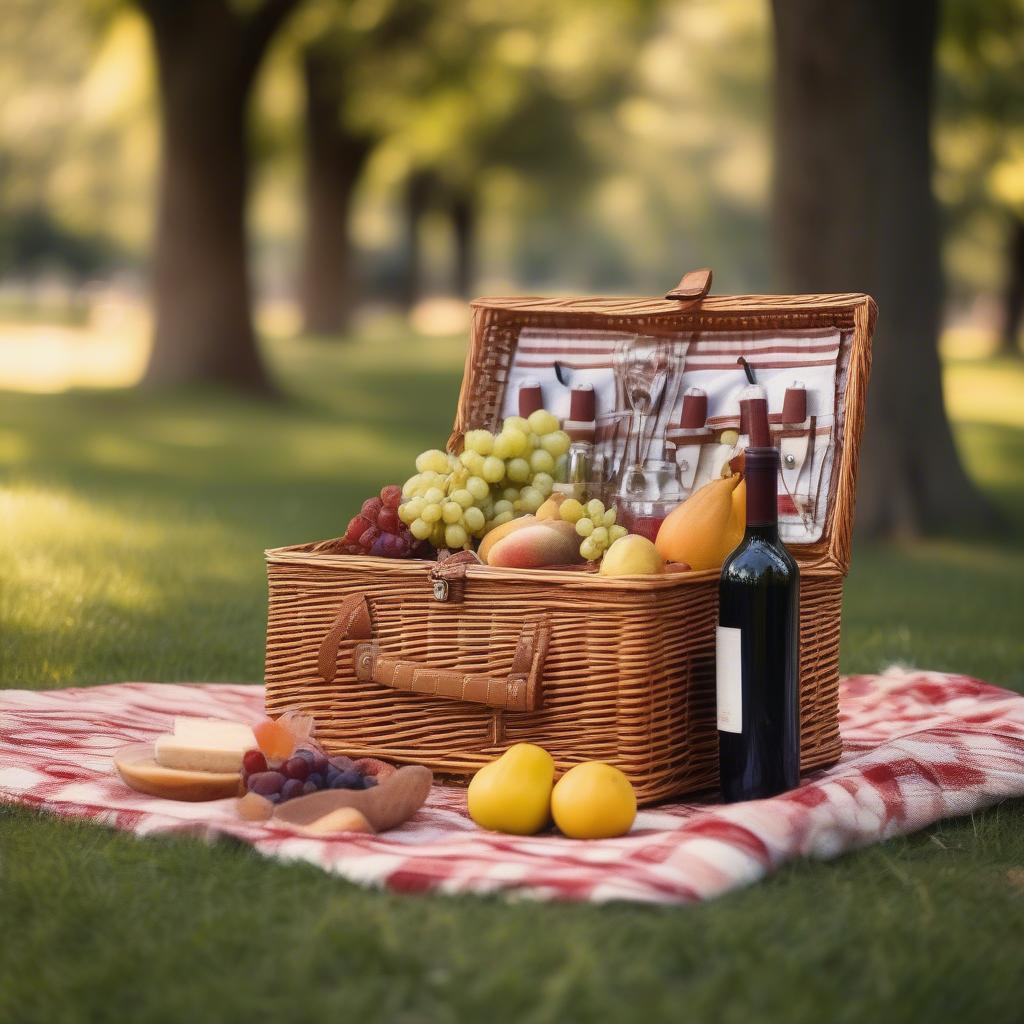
(729, 679)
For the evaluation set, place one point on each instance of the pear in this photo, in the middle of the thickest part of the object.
(705, 528)
(513, 793)
(549, 510)
(632, 555)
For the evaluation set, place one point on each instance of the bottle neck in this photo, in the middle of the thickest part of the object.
(762, 479)
(767, 533)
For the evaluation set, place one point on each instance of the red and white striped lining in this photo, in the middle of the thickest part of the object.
(813, 356)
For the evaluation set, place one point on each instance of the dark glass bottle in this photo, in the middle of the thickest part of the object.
(758, 660)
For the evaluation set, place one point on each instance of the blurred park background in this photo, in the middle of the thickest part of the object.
(191, 190)
(236, 242)
(227, 217)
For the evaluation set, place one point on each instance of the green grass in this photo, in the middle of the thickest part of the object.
(131, 548)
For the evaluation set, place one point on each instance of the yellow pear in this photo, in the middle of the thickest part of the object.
(704, 529)
(513, 793)
(549, 510)
(632, 555)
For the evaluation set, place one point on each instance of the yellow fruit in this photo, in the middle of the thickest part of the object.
(631, 555)
(549, 510)
(593, 801)
(542, 422)
(571, 510)
(503, 530)
(739, 509)
(516, 423)
(513, 793)
(551, 542)
(704, 529)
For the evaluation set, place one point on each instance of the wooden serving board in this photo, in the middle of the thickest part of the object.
(138, 768)
(387, 805)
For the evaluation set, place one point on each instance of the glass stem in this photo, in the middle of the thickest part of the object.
(641, 419)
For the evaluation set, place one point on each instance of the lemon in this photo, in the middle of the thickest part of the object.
(513, 793)
(593, 800)
(631, 555)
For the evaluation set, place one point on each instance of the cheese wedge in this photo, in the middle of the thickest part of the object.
(204, 745)
(213, 730)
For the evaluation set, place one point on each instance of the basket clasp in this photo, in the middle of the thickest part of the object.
(448, 576)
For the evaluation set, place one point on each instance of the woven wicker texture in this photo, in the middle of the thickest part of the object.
(627, 670)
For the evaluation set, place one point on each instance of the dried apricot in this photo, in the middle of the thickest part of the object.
(275, 740)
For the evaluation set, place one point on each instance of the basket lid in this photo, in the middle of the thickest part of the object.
(810, 353)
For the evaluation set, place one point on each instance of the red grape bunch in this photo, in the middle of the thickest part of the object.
(377, 530)
(306, 771)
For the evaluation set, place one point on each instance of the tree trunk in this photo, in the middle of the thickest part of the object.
(854, 211)
(207, 56)
(335, 158)
(1013, 302)
(418, 191)
(463, 214)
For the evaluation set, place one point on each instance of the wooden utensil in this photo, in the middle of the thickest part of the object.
(386, 805)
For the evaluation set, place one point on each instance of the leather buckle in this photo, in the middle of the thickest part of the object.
(363, 661)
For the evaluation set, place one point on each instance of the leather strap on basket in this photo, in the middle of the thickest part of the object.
(520, 690)
(693, 286)
(351, 623)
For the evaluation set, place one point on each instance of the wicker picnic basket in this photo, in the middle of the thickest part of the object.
(447, 663)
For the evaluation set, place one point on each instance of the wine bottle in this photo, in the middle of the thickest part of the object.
(757, 654)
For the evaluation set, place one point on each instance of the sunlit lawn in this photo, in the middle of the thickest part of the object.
(131, 541)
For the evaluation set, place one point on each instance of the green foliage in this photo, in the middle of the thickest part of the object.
(464, 88)
(609, 145)
(76, 140)
(31, 242)
(980, 134)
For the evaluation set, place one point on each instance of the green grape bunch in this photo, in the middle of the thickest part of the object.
(595, 524)
(453, 501)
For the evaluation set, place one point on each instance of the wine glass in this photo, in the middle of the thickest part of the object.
(644, 367)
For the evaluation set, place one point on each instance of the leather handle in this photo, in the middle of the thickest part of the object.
(520, 690)
(693, 286)
(351, 623)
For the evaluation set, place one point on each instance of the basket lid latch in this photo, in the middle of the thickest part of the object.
(693, 286)
(448, 576)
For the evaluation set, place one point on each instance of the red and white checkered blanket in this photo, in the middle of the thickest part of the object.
(920, 746)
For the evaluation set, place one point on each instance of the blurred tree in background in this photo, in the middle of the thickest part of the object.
(346, 49)
(399, 149)
(207, 55)
(854, 211)
(37, 233)
(472, 98)
(980, 145)
(558, 145)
